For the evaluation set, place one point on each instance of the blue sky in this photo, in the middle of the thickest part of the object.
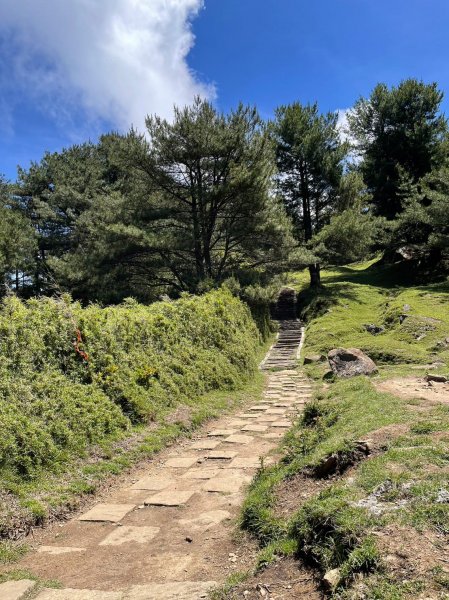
(71, 70)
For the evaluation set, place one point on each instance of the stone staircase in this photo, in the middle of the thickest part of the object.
(284, 352)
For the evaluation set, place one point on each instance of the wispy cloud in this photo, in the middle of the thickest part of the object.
(118, 60)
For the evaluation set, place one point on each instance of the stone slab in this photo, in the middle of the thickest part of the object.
(128, 534)
(185, 590)
(239, 439)
(276, 411)
(71, 594)
(255, 427)
(267, 418)
(275, 435)
(238, 424)
(250, 462)
(200, 473)
(55, 550)
(221, 432)
(252, 415)
(170, 498)
(225, 485)
(221, 455)
(281, 424)
(15, 590)
(107, 512)
(181, 462)
(205, 444)
(152, 483)
(205, 520)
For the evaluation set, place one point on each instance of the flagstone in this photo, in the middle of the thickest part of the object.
(206, 520)
(221, 432)
(227, 485)
(256, 428)
(221, 455)
(200, 473)
(181, 462)
(170, 498)
(185, 590)
(15, 590)
(281, 424)
(107, 512)
(205, 444)
(239, 439)
(152, 483)
(251, 462)
(127, 534)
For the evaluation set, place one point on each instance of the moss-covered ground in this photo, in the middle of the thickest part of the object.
(356, 522)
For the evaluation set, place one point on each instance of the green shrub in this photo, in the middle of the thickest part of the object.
(71, 377)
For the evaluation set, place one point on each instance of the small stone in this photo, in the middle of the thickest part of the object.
(331, 579)
(313, 358)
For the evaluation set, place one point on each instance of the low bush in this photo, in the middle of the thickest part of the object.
(71, 377)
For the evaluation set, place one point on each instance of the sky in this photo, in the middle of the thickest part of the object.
(71, 70)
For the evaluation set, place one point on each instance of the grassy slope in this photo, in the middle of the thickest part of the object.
(330, 530)
(153, 374)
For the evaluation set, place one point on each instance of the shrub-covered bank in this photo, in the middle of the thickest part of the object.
(72, 377)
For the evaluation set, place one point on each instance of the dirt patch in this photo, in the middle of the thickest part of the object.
(292, 493)
(283, 580)
(416, 388)
(411, 555)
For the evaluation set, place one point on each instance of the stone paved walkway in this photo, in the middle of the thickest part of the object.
(285, 350)
(167, 535)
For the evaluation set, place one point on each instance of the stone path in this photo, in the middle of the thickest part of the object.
(285, 351)
(167, 534)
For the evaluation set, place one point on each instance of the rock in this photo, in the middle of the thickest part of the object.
(365, 446)
(374, 329)
(437, 378)
(326, 466)
(329, 374)
(331, 579)
(350, 362)
(313, 358)
(443, 497)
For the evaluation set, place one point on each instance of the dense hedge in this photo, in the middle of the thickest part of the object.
(72, 376)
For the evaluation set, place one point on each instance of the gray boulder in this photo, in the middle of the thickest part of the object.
(350, 362)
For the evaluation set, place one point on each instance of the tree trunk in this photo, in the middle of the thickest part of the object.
(315, 275)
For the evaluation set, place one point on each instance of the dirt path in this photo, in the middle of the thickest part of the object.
(170, 533)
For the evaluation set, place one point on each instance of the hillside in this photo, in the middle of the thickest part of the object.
(361, 491)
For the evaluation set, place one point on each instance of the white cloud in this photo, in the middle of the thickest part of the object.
(118, 59)
(342, 123)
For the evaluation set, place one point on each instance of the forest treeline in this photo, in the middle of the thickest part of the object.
(209, 197)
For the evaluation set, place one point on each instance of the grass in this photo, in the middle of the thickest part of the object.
(406, 474)
(55, 492)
